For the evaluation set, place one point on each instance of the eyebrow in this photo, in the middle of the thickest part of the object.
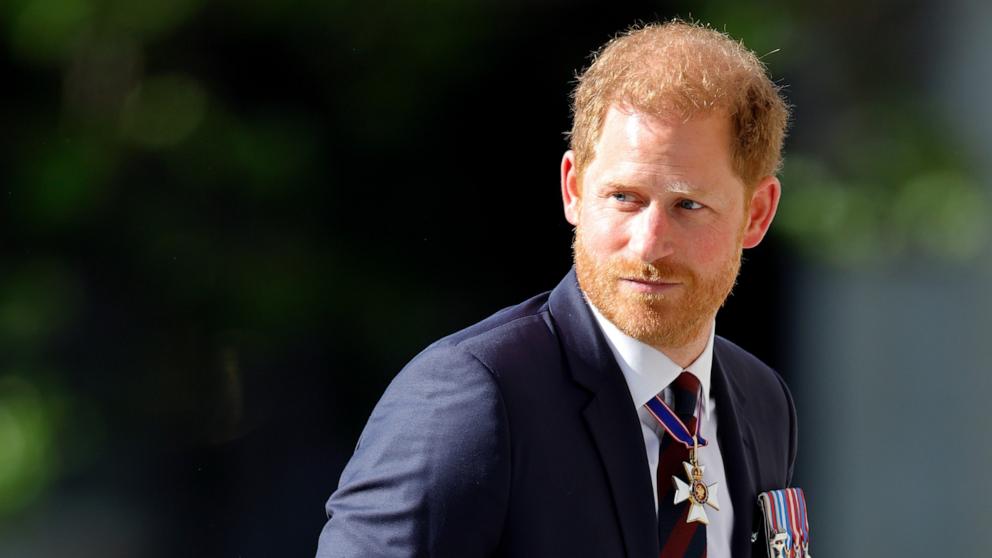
(681, 187)
(673, 186)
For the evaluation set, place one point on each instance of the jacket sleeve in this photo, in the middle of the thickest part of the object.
(431, 473)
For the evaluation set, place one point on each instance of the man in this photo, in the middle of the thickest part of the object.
(541, 431)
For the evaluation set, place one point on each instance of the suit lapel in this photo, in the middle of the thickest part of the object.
(736, 447)
(610, 416)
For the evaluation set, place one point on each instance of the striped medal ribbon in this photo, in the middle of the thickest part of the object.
(786, 523)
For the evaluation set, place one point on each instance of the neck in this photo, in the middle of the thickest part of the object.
(686, 354)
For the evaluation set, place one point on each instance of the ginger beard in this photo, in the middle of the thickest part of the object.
(660, 320)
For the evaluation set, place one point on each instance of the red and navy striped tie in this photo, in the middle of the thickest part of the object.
(678, 539)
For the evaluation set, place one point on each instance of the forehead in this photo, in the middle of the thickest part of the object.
(636, 142)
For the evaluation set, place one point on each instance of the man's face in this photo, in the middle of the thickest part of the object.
(661, 219)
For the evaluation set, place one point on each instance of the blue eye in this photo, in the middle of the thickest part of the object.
(690, 205)
(621, 197)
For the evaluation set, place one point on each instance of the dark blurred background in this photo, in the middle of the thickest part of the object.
(227, 225)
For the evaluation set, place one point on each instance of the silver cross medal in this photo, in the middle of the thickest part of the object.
(697, 492)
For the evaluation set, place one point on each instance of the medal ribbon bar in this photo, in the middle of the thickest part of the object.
(786, 522)
(673, 425)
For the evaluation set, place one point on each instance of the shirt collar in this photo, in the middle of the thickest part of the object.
(647, 370)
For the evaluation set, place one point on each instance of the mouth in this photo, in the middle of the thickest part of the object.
(639, 284)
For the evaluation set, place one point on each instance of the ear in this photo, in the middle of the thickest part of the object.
(761, 210)
(571, 196)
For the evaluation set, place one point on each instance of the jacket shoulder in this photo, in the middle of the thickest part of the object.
(494, 341)
(416, 477)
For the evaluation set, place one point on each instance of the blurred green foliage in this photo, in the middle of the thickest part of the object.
(28, 460)
(36, 302)
(875, 177)
(144, 191)
(48, 30)
(63, 182)
(163, 110)
(897, 189)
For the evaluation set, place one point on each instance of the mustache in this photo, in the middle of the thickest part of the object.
(662, 271)
(659, 270)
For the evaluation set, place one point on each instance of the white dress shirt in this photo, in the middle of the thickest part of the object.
(648, 371)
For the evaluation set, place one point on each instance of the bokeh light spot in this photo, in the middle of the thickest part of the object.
(35, 302)
(150, 18)
(67, 181)
(26, 457)
(945, 213)
(163, 111)
(47, 30)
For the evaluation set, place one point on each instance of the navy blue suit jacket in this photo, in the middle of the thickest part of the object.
(518, 437)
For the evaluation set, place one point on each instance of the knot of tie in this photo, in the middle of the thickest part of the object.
(685, 389)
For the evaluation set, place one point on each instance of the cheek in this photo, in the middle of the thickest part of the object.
(712, 246)
(603, 235)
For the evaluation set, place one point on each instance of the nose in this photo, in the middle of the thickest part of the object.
(650, 234)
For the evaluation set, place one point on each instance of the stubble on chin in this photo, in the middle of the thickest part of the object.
(660, 320)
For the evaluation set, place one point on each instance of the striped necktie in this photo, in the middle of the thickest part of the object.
(678, 539)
